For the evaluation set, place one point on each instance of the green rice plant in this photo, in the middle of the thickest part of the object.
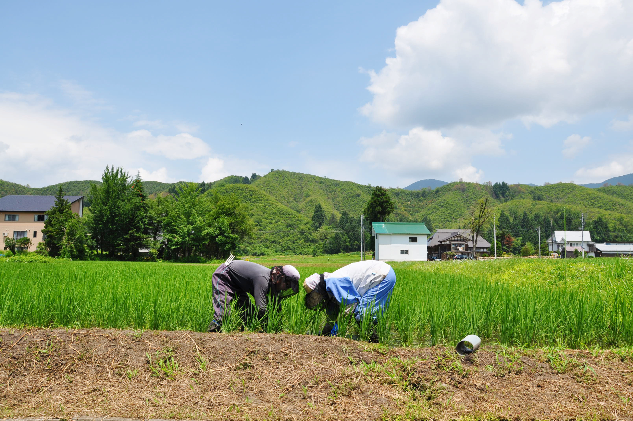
(517, 302)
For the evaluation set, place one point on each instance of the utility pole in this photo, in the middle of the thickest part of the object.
(494, 230)
(565, 228)
(362, 237)
(539, 242)
(582, 234)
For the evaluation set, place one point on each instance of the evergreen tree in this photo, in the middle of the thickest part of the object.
(379, 206)
(501, 190)
(134, 226)
(377, 209)
(350, 228)
(58, 218)
(600, 233)
(318, 217)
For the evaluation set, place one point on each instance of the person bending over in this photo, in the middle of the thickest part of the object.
(234, 279)
(360, 287)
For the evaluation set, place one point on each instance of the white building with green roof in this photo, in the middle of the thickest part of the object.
(400, 241)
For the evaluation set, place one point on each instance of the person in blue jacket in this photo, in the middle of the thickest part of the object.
(359, 287)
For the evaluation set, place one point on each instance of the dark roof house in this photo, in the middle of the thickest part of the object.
(31, 203)
(458, 241)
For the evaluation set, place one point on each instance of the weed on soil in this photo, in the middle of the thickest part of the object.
(67, 373)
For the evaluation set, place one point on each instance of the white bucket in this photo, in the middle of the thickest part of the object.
(463, 349)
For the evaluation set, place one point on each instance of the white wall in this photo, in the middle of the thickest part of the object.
(388, 247)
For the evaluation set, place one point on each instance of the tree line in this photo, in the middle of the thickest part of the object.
(122, 222)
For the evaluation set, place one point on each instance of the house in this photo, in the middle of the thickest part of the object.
(571, 241)
(614, 249)
(24, 216)
(400, 241)
(458, 241)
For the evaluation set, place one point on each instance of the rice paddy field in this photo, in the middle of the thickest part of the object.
(570, 303)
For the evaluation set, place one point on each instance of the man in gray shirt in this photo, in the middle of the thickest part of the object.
(239, 277)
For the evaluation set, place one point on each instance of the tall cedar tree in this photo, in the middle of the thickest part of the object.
(318, 217)
(378, 208)
(59, 216)
(136, 225)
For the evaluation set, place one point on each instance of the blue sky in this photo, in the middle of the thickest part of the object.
(381, 93)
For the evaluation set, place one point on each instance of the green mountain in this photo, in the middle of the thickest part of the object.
(71, 188)
(281, 204)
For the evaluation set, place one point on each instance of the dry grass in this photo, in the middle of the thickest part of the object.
(188, 375)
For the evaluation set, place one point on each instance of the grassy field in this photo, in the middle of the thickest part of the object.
(526, 302)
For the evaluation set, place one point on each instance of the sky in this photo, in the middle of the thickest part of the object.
(381, 93)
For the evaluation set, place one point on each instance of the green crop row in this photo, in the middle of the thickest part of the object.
(571, 303)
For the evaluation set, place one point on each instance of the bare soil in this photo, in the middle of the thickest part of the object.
(188, 375)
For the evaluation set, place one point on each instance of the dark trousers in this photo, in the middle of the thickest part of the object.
(223, 294)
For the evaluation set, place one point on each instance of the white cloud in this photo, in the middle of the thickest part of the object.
(158, 175)
(574, 144)
(181, 146)
(42, 144)
(431, 153)
(155, 124)
(81, 95)
(181, 126)
(618, 166)
(475, 63)
(420, 152)
(623, 125)
(213, 170)
(469, 173)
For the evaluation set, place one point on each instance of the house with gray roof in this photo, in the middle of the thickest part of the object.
(614, 249)
(24, 216)
(569, 242)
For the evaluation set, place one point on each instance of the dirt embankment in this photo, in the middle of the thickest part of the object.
(188, 375)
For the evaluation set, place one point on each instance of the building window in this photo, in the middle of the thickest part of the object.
(404, 251)
(19, 234)
(40, 218)
(9, 217)
(34, 234)
(413, 239)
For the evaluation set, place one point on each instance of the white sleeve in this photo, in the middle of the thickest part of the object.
(363, 275)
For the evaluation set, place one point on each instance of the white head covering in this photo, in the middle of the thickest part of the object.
(311, 282)
(291, 272)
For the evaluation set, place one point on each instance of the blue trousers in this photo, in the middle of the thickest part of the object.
(376, 299)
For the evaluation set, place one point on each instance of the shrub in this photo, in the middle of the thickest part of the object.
(41, 249)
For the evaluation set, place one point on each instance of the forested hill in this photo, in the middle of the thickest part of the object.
(71, 188)
(282, 204)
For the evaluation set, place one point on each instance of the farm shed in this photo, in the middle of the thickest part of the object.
(458, 241)
(614, 249)
(24, 216)
(400, 241)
